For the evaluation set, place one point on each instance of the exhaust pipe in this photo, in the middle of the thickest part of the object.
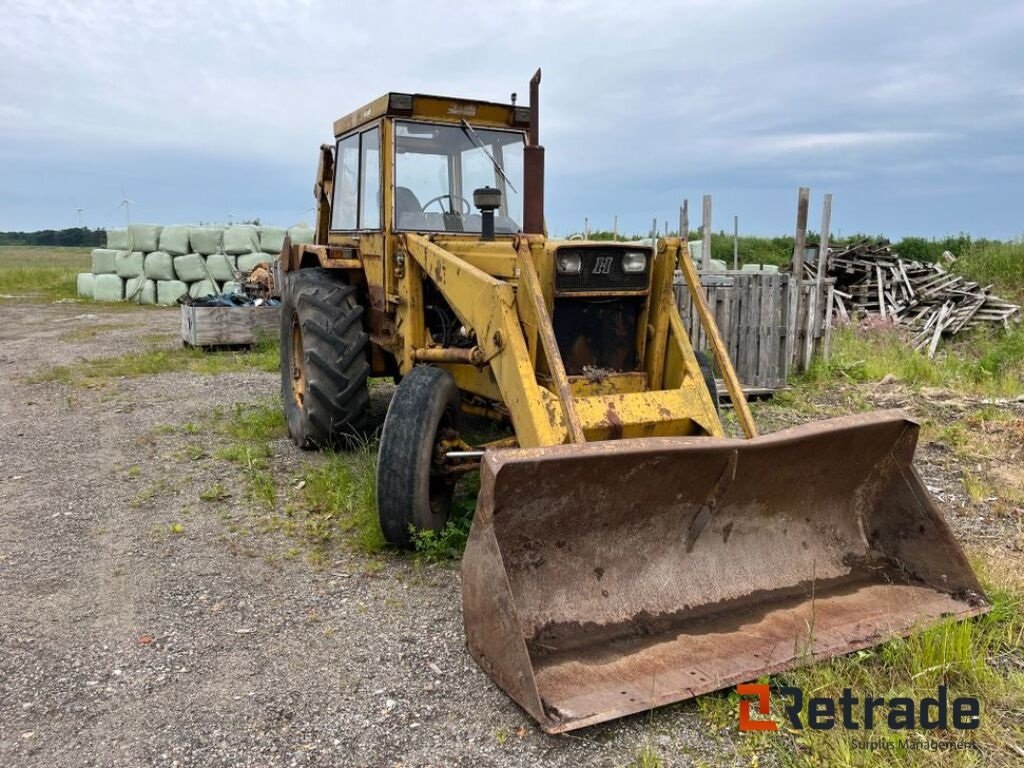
(533, 167)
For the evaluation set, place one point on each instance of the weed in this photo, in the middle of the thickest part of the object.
(646, 757)
(216, 492)
(450, 542)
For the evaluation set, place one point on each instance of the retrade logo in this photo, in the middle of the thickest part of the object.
(763, 707)
(858, 712)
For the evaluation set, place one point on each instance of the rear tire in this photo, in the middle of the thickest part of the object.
(324, 365)
(411, 494)
(704, 362)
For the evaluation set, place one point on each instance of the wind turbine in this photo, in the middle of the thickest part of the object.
(79, 212)
(127, 205)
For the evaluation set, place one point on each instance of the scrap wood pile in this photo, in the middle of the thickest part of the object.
(927, 300)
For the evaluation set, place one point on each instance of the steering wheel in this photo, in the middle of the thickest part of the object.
(463, 203)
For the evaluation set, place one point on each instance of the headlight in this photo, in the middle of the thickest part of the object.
(569, 263)
(634, 261)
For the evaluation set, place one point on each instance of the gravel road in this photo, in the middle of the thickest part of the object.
(125, 644)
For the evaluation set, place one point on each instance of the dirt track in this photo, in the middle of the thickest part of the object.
(124, 644)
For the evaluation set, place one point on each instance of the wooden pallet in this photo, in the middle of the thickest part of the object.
(228, 326)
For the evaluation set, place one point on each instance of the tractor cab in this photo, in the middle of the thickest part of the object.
(412, 163)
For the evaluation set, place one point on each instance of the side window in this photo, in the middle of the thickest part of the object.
(370, 198)
(346, 184)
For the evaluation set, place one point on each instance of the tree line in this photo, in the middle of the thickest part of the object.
(81, 237)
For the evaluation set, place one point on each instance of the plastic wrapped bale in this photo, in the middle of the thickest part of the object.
(203, 288)
(85, 284)
(117, 240)
(250, 261)
(715, 265)
(221, 266)
(272, 239)
(104, 261)
(129, 263)
(108, 288)
(206, 240)
(144, 237)
(175, 241)
(159, 265)
(301, 235)
(169, 291)
(140, 290)
(240, 239)
(231, 287)
(190, 267)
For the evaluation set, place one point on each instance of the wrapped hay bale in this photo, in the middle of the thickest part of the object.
(104, 261)
(139, 290)
(250, 261)
(159, 265)
(272, 239)
(85, 284)
(301, 235)
(117, 239)
(221, 266)
(169, 291)
(190, 267)
(108, 288)
(203, 288)
(240, 239)
(206, 240)
(144, 237)
(175, 241)
(129, 263)
(231, 287)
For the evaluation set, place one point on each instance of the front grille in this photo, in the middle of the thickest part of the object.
(609, 275)
(597, 333)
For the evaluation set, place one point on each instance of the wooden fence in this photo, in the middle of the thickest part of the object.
(771, 326)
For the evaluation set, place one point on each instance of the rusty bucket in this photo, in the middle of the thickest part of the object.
(609, 578)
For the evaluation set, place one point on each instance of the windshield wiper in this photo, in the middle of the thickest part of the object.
(468, 130)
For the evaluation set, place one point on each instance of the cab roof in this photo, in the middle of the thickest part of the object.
(440, 108)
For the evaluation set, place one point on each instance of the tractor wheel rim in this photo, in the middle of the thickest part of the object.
(297, 364)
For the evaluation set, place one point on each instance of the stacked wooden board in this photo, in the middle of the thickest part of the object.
(926, 299)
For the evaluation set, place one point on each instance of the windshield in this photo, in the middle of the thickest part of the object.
(437, 167)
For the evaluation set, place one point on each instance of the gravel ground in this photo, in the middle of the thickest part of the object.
(124, 644)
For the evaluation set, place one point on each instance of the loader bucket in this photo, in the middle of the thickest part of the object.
(609, 578)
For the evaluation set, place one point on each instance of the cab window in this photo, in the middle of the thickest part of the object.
(357, 193)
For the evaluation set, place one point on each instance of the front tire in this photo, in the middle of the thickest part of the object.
(324, 365)
(412, 494)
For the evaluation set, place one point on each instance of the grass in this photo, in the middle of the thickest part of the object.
(986, 362)
(249, 429)
(86, 373)
(981, 657)
(998, 264)
(646, 757)
(40, 272)
(338, 499)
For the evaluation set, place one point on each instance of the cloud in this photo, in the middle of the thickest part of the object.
(648, 99)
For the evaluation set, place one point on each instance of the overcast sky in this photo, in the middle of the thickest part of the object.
(910, 113)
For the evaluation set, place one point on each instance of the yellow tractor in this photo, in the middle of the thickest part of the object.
(624, 553)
